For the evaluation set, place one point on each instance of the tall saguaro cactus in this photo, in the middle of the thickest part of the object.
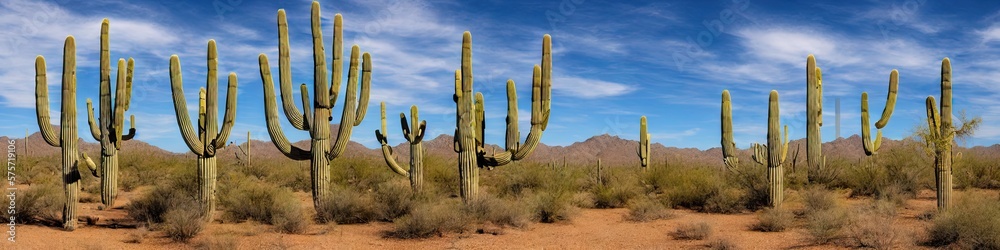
(470, 120)
(815, 159)
(643, 150)
(890, 104)
(111, 130)
(774, 153)
(209, 137)
(415, 138)
(728, 145)
(67, 137)
(942, 133)
(315, 120)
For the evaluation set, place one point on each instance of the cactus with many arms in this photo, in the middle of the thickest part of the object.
(67, 137)
(773, 154)
(815, 159)
(941, 135)
(728, 145)
(321, 152)
(643, 150)
(209, 138)
(890, 104)
(110, 131)
(470, 119)
(415, 138)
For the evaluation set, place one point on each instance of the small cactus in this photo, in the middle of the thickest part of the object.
(941, 135)
(643, 150)
(890, 104)
(774, 153)
(415, 138)
(209, 138)
(111, 129)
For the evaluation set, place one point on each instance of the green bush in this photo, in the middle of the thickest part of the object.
(152, 207)
(40, 203)
(550, 207)
(824, 226)
(347, 206)
(643, 210)
(974, 223)
(394, 199)
(817, 199)
(726, 201)
(774, 220)
(246, 198)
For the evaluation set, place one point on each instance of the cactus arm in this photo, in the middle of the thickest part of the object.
(292, 113)
(513, 134)
(366, 79)
(866, 140)
(307, 113)
(784, 145)
(728, 145)
(946, 129)
(89, 164)
(890, 102)
(390, 159)
(337, 54)
(131, 130)
(94, 128)
(130, 72)
(759, 153)
(539, 113)
(933, 120)
(271, 116)
(117, 123)
(643, 150)
(546, 72)
(347, 119)
(819, 91)
(404, 126)
(42, 104)
(418, 134)
(480, 122)
(230, 115)
(180, 108)
(773, 133)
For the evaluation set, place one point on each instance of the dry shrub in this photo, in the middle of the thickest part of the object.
(347, 206)
(394, 199)
(40, 203)
(427, 220)
(974, 223)
(817, 198)
(774, 220)
(722, 244)
(872, 228)
(489, 209)
(824, 226)
(695, 231)
(183, 222)
(726, 201)
(643, 210)
(552, 206)
(137, 235)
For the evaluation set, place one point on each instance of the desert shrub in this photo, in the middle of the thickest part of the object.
(642, 210)
(752, 180)
(184, 221)
(722, 244)
(289, 218)
(440, 174)
(973, 170)
(689, 187)
(551, 206)
(359, 173)
(41, 203)
(153, 206)
(487, 208)
(246, 198)
(872, 227)
(695, 231)
(773, 220)
(896, 173)
(726, 201)
(824, 226)
(817, 198)
(393, 199)
(346, 206)
(974, 223)
(612, 196)
(427, 220)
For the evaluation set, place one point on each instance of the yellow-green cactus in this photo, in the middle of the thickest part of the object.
(315, 118)
(890, 104)
(111, 129)
(209, 138)
(643, 150)
(774, 153)
(941, 135)
(728, 145)
(67, 137)
(815, 159)
(415, 138)
(469, 143)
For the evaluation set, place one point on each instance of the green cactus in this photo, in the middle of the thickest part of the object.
(209, 137)
(110, 131)
(815, 159)
(890, 104)
(67, 137)
(470, 121)
(728, 145)
(321, 151)
(941, 135)
(415, 138)
(643, 150)
(774, 153)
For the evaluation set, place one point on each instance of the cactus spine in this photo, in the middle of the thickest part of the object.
(643, 150)
(890, 104)
(67, 137)
(112, 125)
(321, 152)
(773, 154)
(208, 138)
(814, 119)
(415, 138)
(728, 145)
(470, 119)
(942, 134)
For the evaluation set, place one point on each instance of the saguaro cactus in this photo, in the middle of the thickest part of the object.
(209, 138)
(728, 145)
(415, 138)
(111, 130)
(321, 152)
(815, 159)
(471, 124)
(773, 154)
(941, 135)
(67, 137)
(890, 104)
(643, 150)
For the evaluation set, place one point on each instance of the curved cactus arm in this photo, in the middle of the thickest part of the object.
(540, 89)
(94, 128)
(546, 80)
(890, 102)
(89, 164)
(307, 112)
(124, 100)
(759, 153)
(191, 139)
(117, 122)
(366, 82)
(390, 160)
(513, 136)
(866, 139)
(292, 113)
(271, 117)
(230, 115)
(403, 125)
(496, 159)
(131, 130)
(728, 145)
(42, 103)
(352, 107)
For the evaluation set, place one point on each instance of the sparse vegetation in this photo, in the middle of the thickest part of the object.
(642, 210)
(774, 220)
(347, 206)
(429, 220)
(183, 222)
(974, 223)
(694, 231)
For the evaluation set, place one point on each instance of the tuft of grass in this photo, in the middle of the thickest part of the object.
(643, 210)
(428, 220)
(696, 231)
(488, 208)
(774, 220)
(289, 218)
(722, 244)
(183, 222)
(612, 196)
(153, 206)
(824, 226)
(247, 198)
(974, 223)
(137, 235)
(347, 206)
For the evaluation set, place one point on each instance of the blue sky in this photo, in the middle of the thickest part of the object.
(613, 61)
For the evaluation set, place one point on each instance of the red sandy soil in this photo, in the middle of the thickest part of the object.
(589, 229)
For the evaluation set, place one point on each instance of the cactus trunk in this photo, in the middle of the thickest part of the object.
(814, 119)
(728, 145)
(941, 135)
(207, 176)
(643, 150)
(109, 178)
(774, 153)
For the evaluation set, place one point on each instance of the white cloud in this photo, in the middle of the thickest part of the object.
(588, 88)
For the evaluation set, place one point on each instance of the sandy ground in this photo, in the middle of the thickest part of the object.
(590, 229)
